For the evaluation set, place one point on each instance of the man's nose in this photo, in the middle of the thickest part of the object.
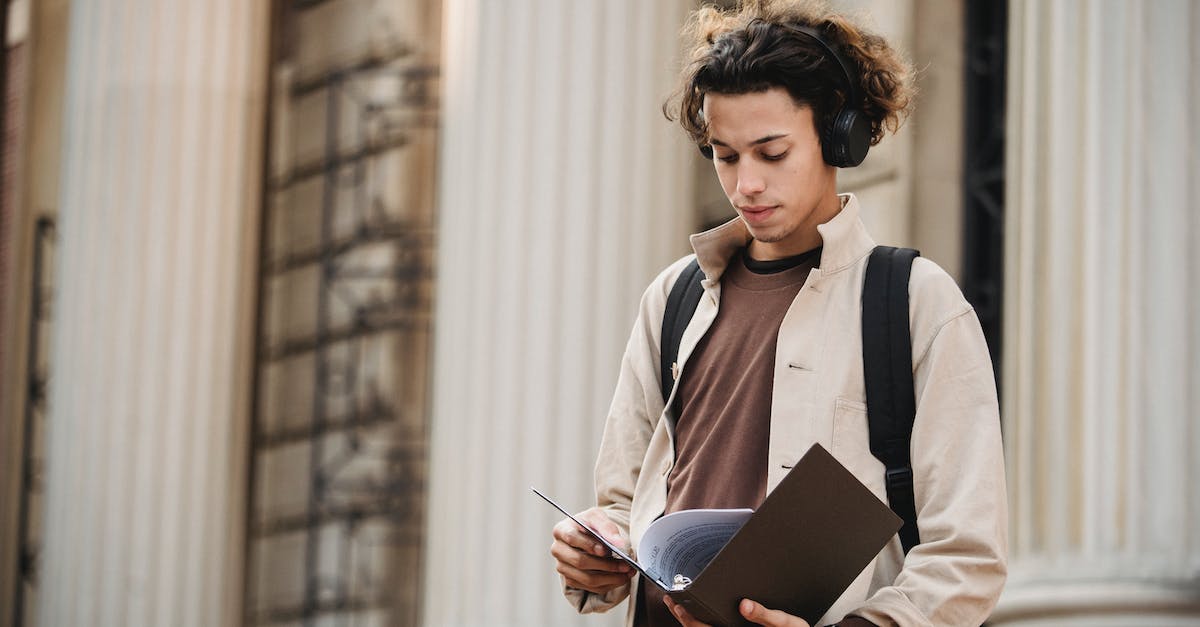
(749, 182)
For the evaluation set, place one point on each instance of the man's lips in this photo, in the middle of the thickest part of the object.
(756, 213)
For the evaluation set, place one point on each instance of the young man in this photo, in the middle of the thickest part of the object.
(771, 361)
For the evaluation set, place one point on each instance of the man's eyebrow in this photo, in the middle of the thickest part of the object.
(762, 140)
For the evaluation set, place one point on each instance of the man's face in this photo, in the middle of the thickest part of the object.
(768, 157)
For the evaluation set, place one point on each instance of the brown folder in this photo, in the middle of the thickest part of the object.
(802, 548)
(810, 538)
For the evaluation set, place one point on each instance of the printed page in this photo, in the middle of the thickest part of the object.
(683, 543)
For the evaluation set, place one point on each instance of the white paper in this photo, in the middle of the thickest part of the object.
(683, 543)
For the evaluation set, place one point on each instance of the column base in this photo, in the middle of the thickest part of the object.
(1099, 603)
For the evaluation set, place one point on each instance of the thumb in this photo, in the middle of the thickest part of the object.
(759, 615)
(607, 528)
(613, 533)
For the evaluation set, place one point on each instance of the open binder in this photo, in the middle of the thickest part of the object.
(812, 535)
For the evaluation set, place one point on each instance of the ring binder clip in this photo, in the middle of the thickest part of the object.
(681, 582)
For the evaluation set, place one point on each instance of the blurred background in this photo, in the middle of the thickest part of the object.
(299, 297)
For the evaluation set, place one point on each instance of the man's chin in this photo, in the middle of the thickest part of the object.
(764, 235)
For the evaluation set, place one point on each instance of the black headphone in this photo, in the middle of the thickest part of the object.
(845, 141)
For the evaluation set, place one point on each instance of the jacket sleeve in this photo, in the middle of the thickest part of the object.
(632, 418)
(955, 575)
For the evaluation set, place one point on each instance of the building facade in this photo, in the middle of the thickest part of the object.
(300, 297)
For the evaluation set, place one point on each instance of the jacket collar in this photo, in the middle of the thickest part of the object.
(844, 239)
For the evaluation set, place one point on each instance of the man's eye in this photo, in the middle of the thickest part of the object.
(775, 157)
(727, 158)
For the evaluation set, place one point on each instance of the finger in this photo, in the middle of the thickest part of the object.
(759, 615)
(602, 524)
(571, 534)
(592, 581)
(682, 615)
(572, 556)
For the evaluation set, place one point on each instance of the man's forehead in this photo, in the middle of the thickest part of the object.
(765, 108)
(753, 119)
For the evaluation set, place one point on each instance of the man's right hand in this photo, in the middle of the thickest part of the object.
(583, 562)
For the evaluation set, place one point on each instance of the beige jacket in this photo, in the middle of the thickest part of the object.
(955, 575)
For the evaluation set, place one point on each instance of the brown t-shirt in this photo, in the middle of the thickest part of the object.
(724, 400)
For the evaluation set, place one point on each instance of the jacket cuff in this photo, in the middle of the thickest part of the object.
(889, 606)
(589, 602)
(854, 621)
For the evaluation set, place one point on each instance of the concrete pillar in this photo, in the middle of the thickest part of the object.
(936, 128)
(1102, 378)
(884, 181)
(153, 311)
(563, 192)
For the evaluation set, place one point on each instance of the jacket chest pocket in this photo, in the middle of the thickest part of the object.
(852, 445)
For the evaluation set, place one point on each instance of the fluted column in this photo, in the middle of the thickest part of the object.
(563, 192)
(153, 313)
(1102, 378)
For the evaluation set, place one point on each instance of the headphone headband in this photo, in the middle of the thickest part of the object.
(853, 100)
(846, 139)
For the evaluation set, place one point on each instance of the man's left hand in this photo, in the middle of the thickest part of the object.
(750, 610)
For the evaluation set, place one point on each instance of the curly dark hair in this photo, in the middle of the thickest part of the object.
(754, 47)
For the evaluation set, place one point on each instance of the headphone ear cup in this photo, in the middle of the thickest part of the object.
(845, 142)
(829, 136)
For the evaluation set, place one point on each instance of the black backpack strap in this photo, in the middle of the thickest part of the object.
(887, 369)
(681, 304)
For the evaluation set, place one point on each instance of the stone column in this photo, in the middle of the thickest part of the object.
(153, 312)
(1102, 344)
(563, 192)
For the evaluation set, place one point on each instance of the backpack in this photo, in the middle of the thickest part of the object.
(887, 367)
